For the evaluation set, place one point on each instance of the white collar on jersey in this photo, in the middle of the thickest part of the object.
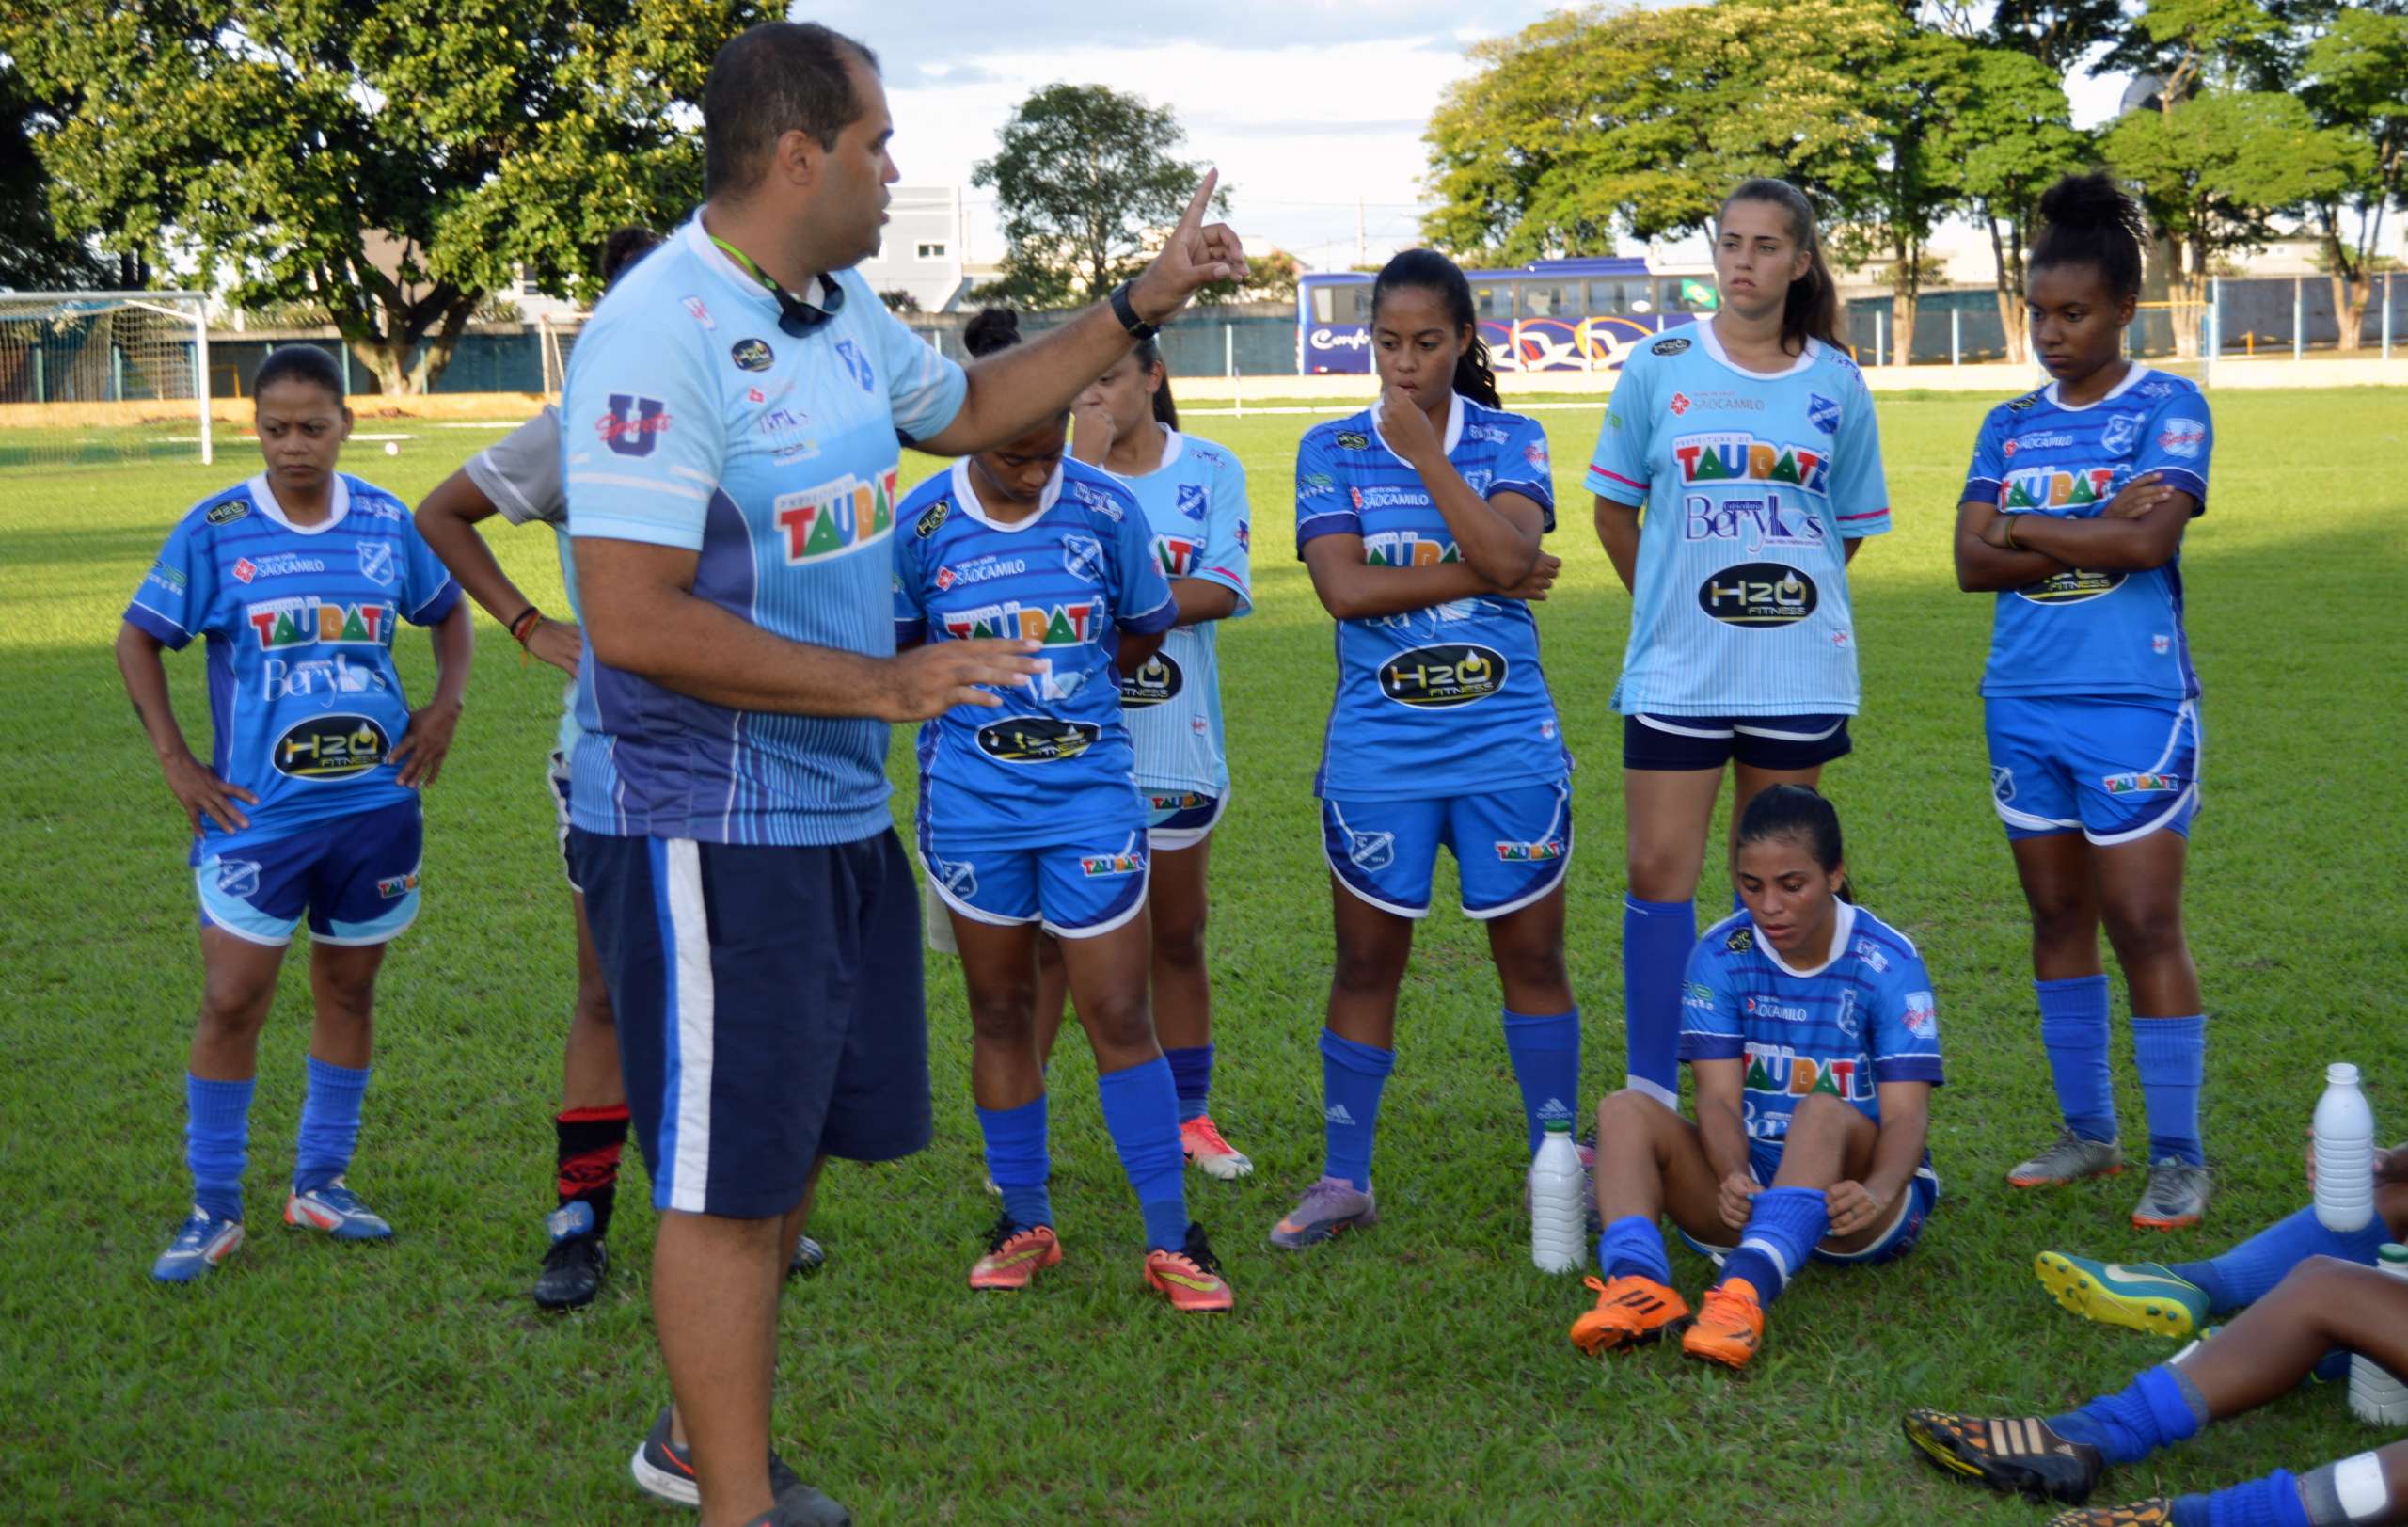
(1712, 345)
(1446, 447)
(336, 506)
(971, 506)
(1842, 927)
(1173, 442)
(2132, 375)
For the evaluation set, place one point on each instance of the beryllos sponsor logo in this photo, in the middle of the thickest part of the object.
(2141, 782)
(1407, 549)
(2072, 586)
(633, 423)
(1669, 347)
(1155, 680)
(1736, 456)
(836, 518)
(1193, 501)
(1781, 1069)
(308, 621)
(1758, 594)
(1756, 523)
(1065, 625)
(752, 355)
(1037, 740)
(1454, 673)
(1095, 865)
(931, 517)
(1923, 1015)
(329, 747)
(397, 885)
(319, 678)
(1537, 852)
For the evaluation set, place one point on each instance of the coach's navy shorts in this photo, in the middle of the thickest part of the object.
(1786, 745)
(355, 877)
(769, 1010)
(1510, 847)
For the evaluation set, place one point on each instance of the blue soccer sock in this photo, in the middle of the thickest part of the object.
(1017, 1160)
(330, 1123)
(2157, 1410)
(2272, 1501)
(1546, 1052)
(1352, 1077)
(1633, 1247)
(1657, 937)
(2249, 1271)
(1190, 1072)
(2172, 1054)
(1141, 1112)
(218, 1132)
(2073, 1029)
(1782, 1227)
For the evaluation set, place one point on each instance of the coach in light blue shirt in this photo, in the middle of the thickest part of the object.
(730, 428)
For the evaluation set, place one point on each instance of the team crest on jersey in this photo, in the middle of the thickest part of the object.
(1823, 413)
(376, 562)
(1742, 939)
(856, 365)
(2142, 782)
(2183, 437)
(229, 512)
(931, 517)
(959, 875)
(1192, 501)
(1094, 864)
(308, 621)
(2122, 432)
(1370, 851)
(1735, 455)
(2003, 785)
(634, 424)
(837, 518)
(1669, 347)
(752, 355)
(1082, 558)
(1352, 439)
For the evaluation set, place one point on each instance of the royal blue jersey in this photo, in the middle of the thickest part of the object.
(1448, 700)
(1753, 484)
(1053, 760)
(300, 619)
(1864, 1017)
(1194, 504)
(690, 420)
(2078, 632)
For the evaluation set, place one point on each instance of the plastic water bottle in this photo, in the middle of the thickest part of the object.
(2344, 1152)
(1558, 1218)
(2378, 1398)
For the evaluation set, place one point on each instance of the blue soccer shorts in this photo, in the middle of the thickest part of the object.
(1510, 847)
(356, 878)
(2116, 771)
(1899, 1237)
(768, 1007)
(1089, 883)
(1178, 819)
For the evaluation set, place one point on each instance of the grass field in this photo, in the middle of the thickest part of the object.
(1418, 1371)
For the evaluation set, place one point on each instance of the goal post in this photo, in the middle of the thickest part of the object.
(558, 337)
(96, 378)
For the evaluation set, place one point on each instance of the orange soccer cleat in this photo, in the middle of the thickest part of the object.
(1631, 1311)
(1729, 1326)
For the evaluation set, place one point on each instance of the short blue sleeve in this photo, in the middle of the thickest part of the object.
(1988, 473)
(1710, 1026)
(1322, 505)
(173, 600)
(911, 615)
(1906, 1024)
(1617, 467)
(2177, 443)
(641, 439)
(1859, 489)
(1228, 557)
(429, 593)
(1141, 599)
(923, 386)
(1524, 467)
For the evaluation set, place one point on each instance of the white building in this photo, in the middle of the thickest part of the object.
(923, 250)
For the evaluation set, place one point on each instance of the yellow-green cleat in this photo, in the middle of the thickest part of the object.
(2141, 1296)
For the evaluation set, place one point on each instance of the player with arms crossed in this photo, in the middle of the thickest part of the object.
(1029, 816)
(309, 805)
(1750, 439)
(1194, 495)
(2073, 513)
(1419, 520)
(1810, 1029)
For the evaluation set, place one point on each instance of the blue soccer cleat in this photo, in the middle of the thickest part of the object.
(336, 1210)
(201, 1243)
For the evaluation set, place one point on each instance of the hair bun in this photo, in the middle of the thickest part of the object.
(2091, 201)
(990, 329)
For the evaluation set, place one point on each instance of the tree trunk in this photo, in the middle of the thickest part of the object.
(2350, 304)
(2187, 292)
(1905, 289)
(440, 349)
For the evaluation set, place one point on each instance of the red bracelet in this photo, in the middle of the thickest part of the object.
(525, 624)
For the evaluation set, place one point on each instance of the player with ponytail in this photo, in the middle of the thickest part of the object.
(1419, 520)
(2072, 514)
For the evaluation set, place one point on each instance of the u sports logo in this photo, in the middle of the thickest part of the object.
(634, 425)
(835, 517)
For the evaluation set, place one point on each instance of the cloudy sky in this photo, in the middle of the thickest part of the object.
(1309, 107)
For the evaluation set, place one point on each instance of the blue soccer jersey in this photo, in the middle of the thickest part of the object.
(692, 421)
(1194, 504)
(1449, 700)
(1865, 1016)
(1753, 484)
(300, 620)
(2078, 632)
(1053, 759)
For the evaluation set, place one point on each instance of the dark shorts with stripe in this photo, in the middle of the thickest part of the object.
(1783, 744)
(768, 1007)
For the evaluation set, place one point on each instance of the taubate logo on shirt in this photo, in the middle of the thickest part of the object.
(835, 517)
(307, 621)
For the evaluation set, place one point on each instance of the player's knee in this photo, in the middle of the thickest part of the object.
(593, 1009)
(1121, 1021)
(1366, 972)
(2149, 932)
(1540, 967)
(1002, 1017)
(1180, 944)
(2063, 920)
(1626, 1112)
(236, 1005)
(1819, 1115)
(1661, 874)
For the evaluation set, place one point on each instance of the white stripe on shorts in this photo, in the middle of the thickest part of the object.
(690, 1170)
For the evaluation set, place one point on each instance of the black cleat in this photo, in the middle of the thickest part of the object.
(574, 1265)
(809, 1257)
(666, 1471)
(2007, 1454)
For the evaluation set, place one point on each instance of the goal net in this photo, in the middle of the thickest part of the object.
(92, 379)
(559, 337)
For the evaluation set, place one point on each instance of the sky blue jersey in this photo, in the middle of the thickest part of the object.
(2082, 632)
(1865, 1017)
(1194, 504)
(690, 420)
(300, 619)
(1449, 700)
(1053, 760)
(1753, 484)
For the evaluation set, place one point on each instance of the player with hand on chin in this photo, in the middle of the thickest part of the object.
(2073, 513)
(1419, 520)
(1810, 1028)
(310, 806)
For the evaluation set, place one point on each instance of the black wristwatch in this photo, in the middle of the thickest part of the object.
(1126, 311)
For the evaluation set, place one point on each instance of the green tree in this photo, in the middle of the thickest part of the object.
(2009, 134)
(1270, 277)
(2357, 82)
(2061, 33)
(1912, 98)
(393, 160)
(1084, 177)
(34, 255)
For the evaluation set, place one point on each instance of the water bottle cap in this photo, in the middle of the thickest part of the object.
(2341, 1073)
(2393, 1251)
(1558, 1126)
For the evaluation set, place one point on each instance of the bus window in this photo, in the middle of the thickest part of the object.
(1494, 301)
(1358, 303)
(1322, 304)
(1616, 299)
(1689, 294)
(1559, 300)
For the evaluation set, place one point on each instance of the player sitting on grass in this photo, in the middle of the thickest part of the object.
(2323, 1304)
(2175, 1299)
(1810, 1026)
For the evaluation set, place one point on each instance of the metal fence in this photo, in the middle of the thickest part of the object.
(2257, 314)
(1241, 340)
